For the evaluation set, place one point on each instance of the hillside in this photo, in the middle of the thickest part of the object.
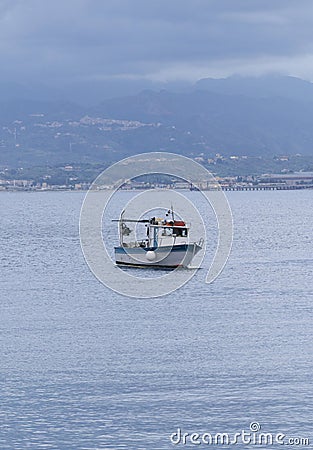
(230, 117)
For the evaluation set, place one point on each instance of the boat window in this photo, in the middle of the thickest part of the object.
(181, 232)
(167, 231)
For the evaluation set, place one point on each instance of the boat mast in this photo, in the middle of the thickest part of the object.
(120, 227)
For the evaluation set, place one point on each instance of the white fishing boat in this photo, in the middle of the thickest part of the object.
(165, 245)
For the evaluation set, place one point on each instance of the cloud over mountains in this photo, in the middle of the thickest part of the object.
(69, 41)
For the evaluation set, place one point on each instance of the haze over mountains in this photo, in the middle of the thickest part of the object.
(271, 115)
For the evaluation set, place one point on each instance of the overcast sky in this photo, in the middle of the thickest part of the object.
(163, 40)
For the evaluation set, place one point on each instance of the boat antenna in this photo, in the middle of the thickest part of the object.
(172, 212)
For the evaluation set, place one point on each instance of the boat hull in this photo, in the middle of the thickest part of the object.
(161, 257)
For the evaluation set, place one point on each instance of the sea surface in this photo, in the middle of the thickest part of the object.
(82, 367)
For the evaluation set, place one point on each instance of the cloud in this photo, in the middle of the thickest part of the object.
(67, 40)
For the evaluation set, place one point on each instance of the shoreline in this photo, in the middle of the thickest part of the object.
(222, 188)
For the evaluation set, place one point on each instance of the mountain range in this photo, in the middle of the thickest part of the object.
(265, 116)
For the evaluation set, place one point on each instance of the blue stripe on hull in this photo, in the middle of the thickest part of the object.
(153, 266)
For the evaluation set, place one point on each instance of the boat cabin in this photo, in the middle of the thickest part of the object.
(159, 232)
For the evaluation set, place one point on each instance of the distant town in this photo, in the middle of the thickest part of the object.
(80, 178)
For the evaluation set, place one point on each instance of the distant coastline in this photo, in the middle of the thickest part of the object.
(290, 181)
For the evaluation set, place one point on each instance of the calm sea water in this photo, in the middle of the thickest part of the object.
(82, 367)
